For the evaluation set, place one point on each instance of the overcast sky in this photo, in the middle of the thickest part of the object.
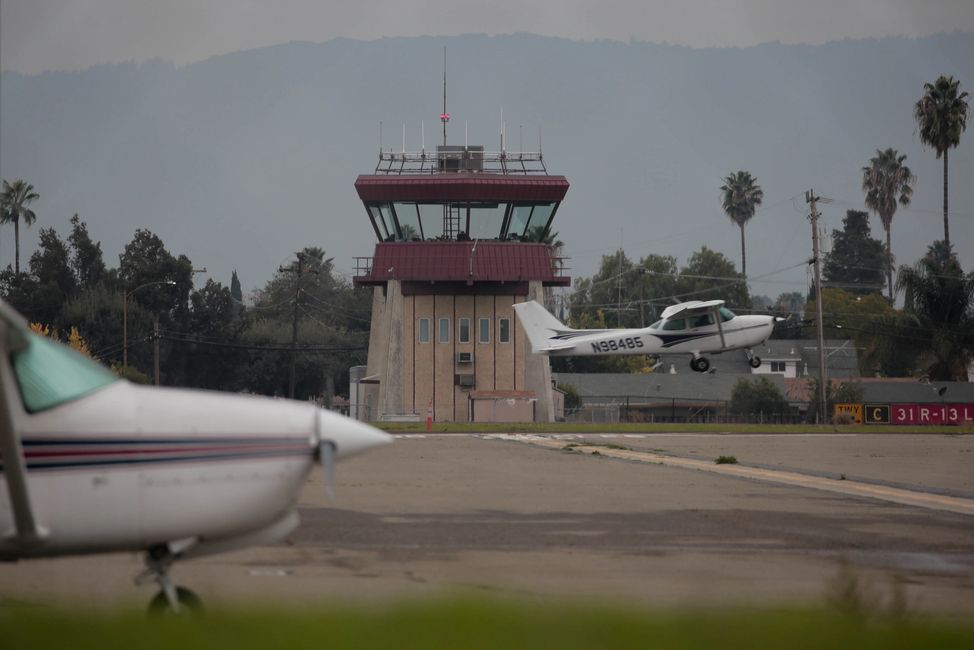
(39, 35)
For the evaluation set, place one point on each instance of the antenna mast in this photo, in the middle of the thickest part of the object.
(444, 116)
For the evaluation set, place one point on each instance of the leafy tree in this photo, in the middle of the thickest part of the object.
(857, 260)
(849, 392)
(145, 268)
(759, 395)
(864, 318)
(97, 313)
(572, 400)
(330, 312)
(14, 200)
(709, 275)
(213, 319)
(886, 181)
(740, 197)
(941, 116)
(791, 302)
(940, 298)
(50, 268)
(609, 291)
(86, 258)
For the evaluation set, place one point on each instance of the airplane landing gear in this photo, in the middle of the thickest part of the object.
(753, 360)
(171, 599)
(700, 364)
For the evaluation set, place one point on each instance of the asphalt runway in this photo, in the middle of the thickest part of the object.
(541, 517)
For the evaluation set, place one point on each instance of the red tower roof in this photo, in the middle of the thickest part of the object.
(461, 187)
(462, 261)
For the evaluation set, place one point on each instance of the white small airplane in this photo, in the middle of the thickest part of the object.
(94, 464)
(695, 328)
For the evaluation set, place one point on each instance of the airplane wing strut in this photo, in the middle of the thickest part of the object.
(27, 531)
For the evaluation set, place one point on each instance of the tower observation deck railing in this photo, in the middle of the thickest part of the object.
(455, 159)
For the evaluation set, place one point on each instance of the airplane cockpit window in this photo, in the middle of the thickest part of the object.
(655, 326)
(726, 314)
(50, 374)
(675, 324)
(702, 320)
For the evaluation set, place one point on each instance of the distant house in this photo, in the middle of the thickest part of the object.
(797, 358)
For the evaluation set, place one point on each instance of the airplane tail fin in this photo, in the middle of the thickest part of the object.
(540, 325)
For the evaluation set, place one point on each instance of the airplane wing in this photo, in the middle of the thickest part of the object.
(564, 345)
(14, 335)
(692, 307)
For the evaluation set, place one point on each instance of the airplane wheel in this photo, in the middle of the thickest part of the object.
(755, 362)
(693, 365)
(189, 603)
(702, 365)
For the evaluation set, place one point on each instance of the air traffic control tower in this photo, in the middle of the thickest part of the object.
(462, 236)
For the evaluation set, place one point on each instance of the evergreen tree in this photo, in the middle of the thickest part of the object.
(86, 258)
(235, 291)
(857, 260)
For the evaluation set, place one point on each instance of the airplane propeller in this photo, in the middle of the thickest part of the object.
(326, 453)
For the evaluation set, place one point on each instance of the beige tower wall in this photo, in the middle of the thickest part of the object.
(413, 374)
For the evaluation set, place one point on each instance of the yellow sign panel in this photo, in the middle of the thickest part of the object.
(855, 410)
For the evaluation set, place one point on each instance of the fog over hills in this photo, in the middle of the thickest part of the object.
(239, 160)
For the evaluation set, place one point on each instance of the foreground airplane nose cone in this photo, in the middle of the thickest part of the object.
(349, 436)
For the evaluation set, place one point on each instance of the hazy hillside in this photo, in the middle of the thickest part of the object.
(239, 160)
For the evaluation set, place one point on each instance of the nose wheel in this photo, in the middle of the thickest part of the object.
(171, 599)
(753, 360)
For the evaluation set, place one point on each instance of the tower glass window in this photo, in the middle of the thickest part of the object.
(484, 330)
(504, 329)
(463, 330)
(444, 330)
(424, 330)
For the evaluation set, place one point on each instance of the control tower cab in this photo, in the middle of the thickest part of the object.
(463, 234)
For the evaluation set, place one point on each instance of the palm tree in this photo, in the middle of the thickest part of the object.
(941, 115)
(14, 200)
(938, 296)
(885, 181)
(741, 195)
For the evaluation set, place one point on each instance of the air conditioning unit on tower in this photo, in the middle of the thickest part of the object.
(464, 357)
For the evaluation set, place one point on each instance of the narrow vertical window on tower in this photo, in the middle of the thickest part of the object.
(484, 330)
(463, 330)
(444, 330)
(504, 330)
(424, 330)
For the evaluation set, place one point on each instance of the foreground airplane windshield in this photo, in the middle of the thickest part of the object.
(92, 463)
(695, 328)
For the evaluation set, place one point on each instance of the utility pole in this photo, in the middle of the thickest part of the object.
(294, 326)
(155, 349)
(811, 199)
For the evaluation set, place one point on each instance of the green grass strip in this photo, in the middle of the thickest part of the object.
(475, 624)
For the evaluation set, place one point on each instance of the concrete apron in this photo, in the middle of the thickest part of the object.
(850, 488)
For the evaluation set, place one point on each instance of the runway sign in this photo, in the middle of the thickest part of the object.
(876, 413)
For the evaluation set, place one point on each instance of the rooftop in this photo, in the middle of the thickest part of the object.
(460, 261)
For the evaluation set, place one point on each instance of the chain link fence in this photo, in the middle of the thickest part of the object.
(628, 408)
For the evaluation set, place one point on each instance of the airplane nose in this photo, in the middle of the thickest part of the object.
(347, 435)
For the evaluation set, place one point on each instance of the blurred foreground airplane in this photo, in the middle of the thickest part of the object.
(695, 328)
(94, 464)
